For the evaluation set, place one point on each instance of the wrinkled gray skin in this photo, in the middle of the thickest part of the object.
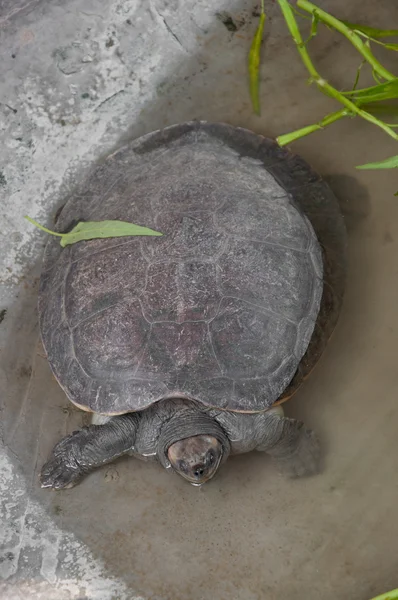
(157, 433)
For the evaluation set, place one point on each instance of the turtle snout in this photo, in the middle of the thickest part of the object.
(196, 458)
(199, 471)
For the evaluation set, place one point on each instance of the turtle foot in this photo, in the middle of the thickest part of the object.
(62, 469)
(305, 460)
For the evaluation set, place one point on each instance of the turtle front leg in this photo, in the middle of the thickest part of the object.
(88, 448)
(287, 440)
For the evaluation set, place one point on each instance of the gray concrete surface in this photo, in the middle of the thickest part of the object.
(77, 78)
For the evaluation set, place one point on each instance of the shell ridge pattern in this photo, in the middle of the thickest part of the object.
(268, 243)
(262, 307)
(213, 300)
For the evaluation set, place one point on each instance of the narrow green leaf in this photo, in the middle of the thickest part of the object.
(382, 91)
(104, 229)
(388, 88)
(91, 230)
(371, 31)
(388, 163)
(36, 224)
(254, 64)
(393, 595)
(391, 47)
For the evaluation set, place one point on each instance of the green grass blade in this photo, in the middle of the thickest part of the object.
(254, 64)
(388, 163)
(90, 230)
(382, 91)
(371, 31)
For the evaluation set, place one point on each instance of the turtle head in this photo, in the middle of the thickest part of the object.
(196, 458)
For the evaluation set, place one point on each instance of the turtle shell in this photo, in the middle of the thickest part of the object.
(231, 307)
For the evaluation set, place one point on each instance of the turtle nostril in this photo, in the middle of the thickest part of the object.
(199, 471)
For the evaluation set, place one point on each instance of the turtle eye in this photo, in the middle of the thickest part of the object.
(182, 465)
(210, 457)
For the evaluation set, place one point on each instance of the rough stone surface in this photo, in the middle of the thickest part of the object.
(81, 78)
(38, 558)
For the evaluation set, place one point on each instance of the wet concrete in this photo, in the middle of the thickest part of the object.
(249, 534)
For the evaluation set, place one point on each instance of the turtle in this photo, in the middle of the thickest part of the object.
(184, 346)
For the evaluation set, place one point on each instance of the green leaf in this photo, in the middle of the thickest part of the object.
(371, 31)
(254, 63)
(91, 230)
(388, 163)
(383, 91)
(393, 595)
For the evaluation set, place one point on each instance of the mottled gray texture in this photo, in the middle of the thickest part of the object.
(220, 309)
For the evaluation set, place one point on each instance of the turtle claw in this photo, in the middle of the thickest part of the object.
(62, 469)
(57, 474)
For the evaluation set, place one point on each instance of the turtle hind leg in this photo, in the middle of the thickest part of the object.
(295, 447)
(84, 450)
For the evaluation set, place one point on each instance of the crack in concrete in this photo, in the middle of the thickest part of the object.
(109, 98)
(169, 29)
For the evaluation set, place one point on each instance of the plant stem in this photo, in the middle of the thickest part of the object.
(322, 84)
(288, 138)
(296, 35)
(349, 34)
(43, 228)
